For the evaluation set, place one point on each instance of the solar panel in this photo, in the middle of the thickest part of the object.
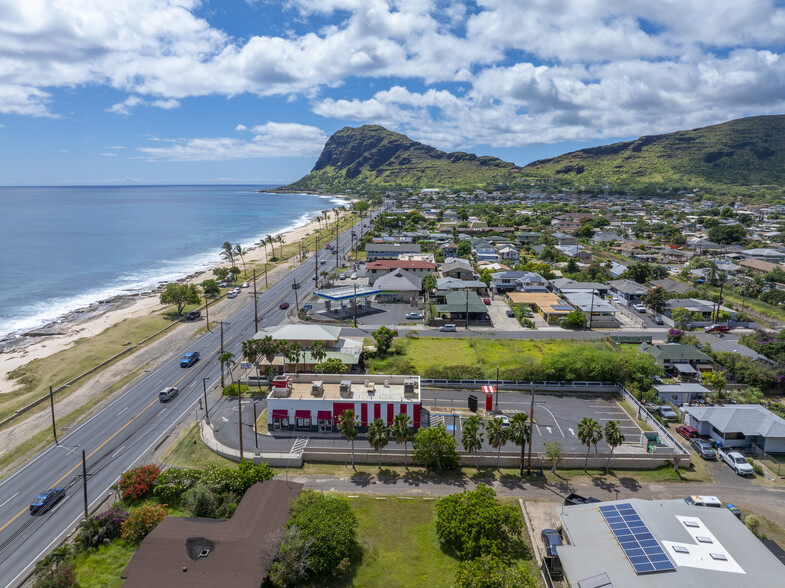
(639, 545)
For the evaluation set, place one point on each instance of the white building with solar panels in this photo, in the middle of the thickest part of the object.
(662, 544)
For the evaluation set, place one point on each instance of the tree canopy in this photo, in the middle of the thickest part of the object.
(180, 295)
(436, 449)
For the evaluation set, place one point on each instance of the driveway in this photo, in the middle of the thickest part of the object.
(497, 309)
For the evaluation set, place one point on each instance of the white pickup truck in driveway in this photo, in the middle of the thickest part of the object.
(736, 461)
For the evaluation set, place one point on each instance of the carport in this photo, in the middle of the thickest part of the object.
(341, 295)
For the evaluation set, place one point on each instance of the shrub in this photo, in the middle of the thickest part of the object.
(753, 523)
(231, 389)
(101, 529)
(292, 563)
(474, 523)
(756, 467)
(491, 572)
(141, 521)
(173, 483)
(332, 526)
(249, 474)
(139, 483)
(220, 480)
(200, 501)
(435, 449)
(55, 575)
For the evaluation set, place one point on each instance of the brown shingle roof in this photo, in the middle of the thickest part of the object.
(237, 557)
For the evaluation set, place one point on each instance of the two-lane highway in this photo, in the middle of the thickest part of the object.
(123, 433)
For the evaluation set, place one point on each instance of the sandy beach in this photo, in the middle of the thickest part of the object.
(92, 320)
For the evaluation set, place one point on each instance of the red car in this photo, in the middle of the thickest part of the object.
(283, 305)
(687, 432)
(486, 300)
(717, 329)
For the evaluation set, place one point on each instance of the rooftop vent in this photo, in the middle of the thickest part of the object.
(317, 388)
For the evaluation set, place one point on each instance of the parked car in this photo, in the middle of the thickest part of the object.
(193, 315)
(551, 540)
(231, 294)
(448, 328)
(736, 461)
(413, 315)
(342, 277)
(639, 307)
(505, 421)
(668, 413)
(354, 276)
(734, 509)
(486, 300)
(573, 499)
(189, 359)
(510, 313)
(717, 329)
(657, 319)
(687, 432)
(246, 285)
(46, 500)
(283, 305)
(710, 501)
(167, 394)
(704, 448)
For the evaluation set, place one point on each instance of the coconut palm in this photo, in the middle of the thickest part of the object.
(228, 252)
(280, 239)
(268, 348)
(472, 437)
(269, 240)
(227, 358)
(318, 352)
(520, 433)
(497, 437)
(347, 427)
(589, 433)
(400, 431)
(238, 250)
(250, 349)
(378, 436)
(293, 353)
(613, 437)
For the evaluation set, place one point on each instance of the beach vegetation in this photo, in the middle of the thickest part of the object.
(227, 252)
(210, 288)
(221, 272)
(180, 295)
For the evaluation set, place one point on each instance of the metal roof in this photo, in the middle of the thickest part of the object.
(347, 293)
(748, 419)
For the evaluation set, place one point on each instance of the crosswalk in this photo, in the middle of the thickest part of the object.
(436, 420)
(299, 445)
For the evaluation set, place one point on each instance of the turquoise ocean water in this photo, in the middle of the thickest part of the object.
(63, 248)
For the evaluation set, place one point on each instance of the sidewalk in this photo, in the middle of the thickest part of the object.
(257, 456)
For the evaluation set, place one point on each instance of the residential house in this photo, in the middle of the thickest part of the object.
(673, 286)
(765, 254)
(741, 425)
(576, 252)
(757, 266)
(695, 306)
(453, 306)
(562, 285)
(374, 251)
(484, 250)
(628, 292)
(458, 268)
(528, 237)
(398, 286)
(456, 284)
(600, 314)
(617, 269)
(502, 282)
(547, 304)
(685, 361)
(681, 394)
(306, 334)
(508, 253)
(564, 239)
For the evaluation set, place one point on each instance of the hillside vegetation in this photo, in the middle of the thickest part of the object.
(743, 152)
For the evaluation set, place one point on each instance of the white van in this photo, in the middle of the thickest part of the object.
(448, 328)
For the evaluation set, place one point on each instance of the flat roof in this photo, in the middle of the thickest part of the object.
(547, 301)
(347, 293)
(689, 535)
(361, 388)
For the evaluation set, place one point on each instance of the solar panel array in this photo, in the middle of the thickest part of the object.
(635, 539)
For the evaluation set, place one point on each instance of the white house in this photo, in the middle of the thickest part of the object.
(741, 425)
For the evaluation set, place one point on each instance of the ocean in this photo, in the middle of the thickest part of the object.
(64, 248)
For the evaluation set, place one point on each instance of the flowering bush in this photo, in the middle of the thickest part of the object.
(174, 482)
(111, 521)
(140, 482)
(57, 575)
(143, 520)
(675, 334)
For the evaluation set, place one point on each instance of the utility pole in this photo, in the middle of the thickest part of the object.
(295, 287)
(206, 412)
(497, 387)
(207, 311)
(316, 262)
(467, 309)
(355, 305)
(531, 433)
(222, 352)
(240, 417)
(591, 311)
(52, 404)
(255, 432)
(255, 306)
(84, 481)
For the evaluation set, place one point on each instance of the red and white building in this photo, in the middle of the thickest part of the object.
(377, 269)
(313, 402)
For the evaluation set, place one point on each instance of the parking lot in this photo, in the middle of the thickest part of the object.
(556, 416)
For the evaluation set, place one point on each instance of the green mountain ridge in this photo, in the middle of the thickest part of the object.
(743, 152)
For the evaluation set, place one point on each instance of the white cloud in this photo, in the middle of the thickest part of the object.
(108, 154)
(126, 106)
(269, 140)
(240, 128)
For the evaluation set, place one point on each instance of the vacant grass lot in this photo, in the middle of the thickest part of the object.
(101, 568)
(425, 352)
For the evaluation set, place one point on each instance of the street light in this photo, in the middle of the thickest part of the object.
(206, 412)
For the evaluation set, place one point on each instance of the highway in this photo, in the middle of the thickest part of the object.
(122, 434)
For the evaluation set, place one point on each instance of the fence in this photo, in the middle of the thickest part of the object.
(775, 464)
(525, 385)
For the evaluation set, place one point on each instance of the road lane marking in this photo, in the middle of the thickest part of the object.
(122, 411)
(118, 451)
(9, 499)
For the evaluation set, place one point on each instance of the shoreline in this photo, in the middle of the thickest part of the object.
(39, 343)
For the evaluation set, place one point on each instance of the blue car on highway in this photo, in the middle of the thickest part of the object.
(46, 500)
(189, 359)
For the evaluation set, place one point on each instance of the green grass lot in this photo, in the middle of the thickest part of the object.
(424, 352)
(101, 568)
(188, 451)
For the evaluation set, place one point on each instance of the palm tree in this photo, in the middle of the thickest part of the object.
(238, 250)
(318, 352)
(400, 431)
(228, 252)
(227, 358)
(613, 437)
(590, 433)
(281, 240)
(347, 426)
(378, 436)
(472, 437)
(497, 436)
(519, 433)
(268, 348)
(269, 240)
(293, 353)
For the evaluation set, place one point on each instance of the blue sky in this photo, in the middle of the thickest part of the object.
(248, 91)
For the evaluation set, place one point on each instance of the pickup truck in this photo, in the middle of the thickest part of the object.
(573, 499)
(736, 461)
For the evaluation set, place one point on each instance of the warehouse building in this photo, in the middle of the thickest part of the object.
(308, 402)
